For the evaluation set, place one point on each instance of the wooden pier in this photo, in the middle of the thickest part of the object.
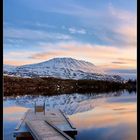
(39, 124)
(42, 130)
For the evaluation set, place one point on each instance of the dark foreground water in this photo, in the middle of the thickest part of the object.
(97, 117)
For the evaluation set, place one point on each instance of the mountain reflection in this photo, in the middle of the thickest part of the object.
(96, 116)
(108, 121)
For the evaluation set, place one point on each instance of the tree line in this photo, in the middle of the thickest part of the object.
(13, 86)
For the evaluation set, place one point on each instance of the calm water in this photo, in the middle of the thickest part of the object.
(97, 117)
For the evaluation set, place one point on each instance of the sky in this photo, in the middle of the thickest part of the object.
(103, 32)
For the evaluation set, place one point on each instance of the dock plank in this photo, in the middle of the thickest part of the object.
(54, 116)
(43, 131)
(38, 125)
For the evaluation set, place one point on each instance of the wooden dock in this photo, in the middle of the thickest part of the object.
(42, 130)
(48, 125)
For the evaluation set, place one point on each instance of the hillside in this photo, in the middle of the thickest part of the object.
(64, 68)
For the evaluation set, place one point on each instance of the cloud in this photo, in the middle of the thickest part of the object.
(44, 25)
(108, 26)
(121, 14)
(37, 24)
(77, 31)
(124, 59)
(70, 8)
(132, 71)
(17, 62)
(115, 62)
(108, 32)
(34, 34)
(112, 25)
(125, 27)
(97, 54)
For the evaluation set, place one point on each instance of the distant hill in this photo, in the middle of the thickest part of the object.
(64, 68)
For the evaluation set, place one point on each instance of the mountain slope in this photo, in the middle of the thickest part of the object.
(9, 68)
(66, 68)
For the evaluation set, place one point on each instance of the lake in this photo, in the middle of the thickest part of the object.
(106, 116)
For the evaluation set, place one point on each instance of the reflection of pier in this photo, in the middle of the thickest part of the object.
(39, 124)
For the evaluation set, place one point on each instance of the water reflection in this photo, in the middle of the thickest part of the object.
(120, 132)
(108, 121)
(11, 114)
(96, 117)
(68, 103)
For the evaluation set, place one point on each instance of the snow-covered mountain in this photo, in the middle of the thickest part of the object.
(66, 68)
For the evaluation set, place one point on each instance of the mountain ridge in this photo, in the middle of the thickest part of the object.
(65, 68)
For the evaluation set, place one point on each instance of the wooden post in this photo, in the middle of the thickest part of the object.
(35, 107)
(44, 108)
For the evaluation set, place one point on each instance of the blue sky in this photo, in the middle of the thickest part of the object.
(100, 31)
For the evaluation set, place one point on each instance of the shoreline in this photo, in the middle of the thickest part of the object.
(14, 86)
